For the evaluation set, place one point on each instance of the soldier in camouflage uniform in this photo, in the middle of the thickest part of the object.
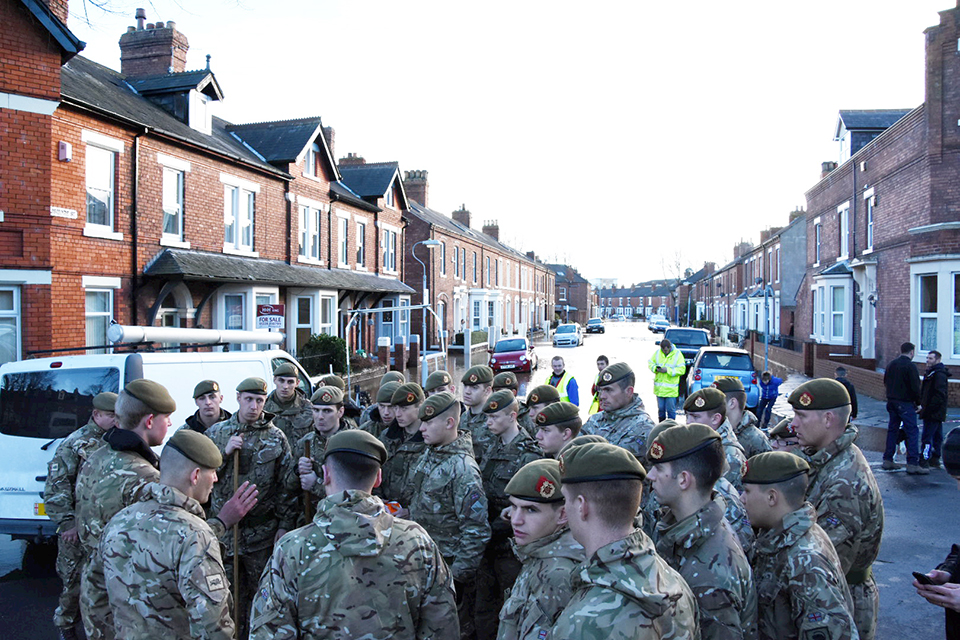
(404, 444)
(60, 502)
(622, 419)
(382, 415)
(624, 591)
(352, 413)
(842, 489)
(537, 400)
(508, 380)
(448, 498)
(477, 386)
(161, 560)
(504, 456)
(559, 425)
(782, 438)
(288, 404)
(389, 376)
(708, 406)
(355, 571)
(694, 538)
(745, 424)
(545, 546)
(207, 397)
(265, 460)
(802, 594)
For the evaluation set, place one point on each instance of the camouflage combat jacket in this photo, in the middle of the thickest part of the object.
(403, 451)
(265, 461)
(625, 591)
(750, 437)
(627, 427)
(734, 453)
(704, 550)
(845, 494)
(163, 570)
(294, 418)
(526, 422)
(801, 592)
(542, 589)
(62, 471)
(371, 422)
(355, 572)
(449, 502)
(476, 425)
(500, 463)
(735, 514)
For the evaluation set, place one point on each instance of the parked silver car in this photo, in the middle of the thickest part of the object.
(568, 335)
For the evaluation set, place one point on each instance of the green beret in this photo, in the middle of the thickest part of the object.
(407, 394)
(598, 461)
(544, 394)
(436, 404)
(557, 412)
(614, 373)
(153, 394)
(105, 401)
(327, 396)
(657, 430)
(679, 441)
(706, 399)
(479, 374)
(782, 431)
(728, 384)
(286, 370)
(392, 376)
(774, 466)
(385, 393)
(204, 387)
(586, 439)
(822, 393)
(197, 447)
(356, 441)
(505, 380)
(333, 380)
(436, 380)
(951, 452)
(498, 401)
(537, 481)
(253, 385)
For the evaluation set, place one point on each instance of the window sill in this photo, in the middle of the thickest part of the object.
(344, 266)
(99, 231)
(310, 261)
(390, 273)
(867, 252)
(361, 268)
(171, 242)
(246, 253)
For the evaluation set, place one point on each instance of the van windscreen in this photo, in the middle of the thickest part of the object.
(51, 404)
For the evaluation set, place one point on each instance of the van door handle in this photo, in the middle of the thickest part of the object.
(41, 478)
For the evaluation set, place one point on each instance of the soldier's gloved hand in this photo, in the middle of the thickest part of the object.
(307, 480)
(238, 505)
(305, 465)
(70, 535)
(233, 444)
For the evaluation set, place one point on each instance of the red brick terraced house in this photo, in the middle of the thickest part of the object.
(573, 294)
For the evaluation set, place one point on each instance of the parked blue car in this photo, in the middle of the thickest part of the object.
(714, 363)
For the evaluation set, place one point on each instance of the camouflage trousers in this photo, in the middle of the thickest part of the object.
(94, 603)
(70, 557)
(498, 571)
(866, 607)
(250, 567)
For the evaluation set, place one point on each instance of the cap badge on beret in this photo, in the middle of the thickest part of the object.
(534, 398)
(546, 487)
(429, 410)
(493, 406)
(699, 402)
(656, 451)
(805, 399)
(215, 386)
(411, 397)
(472, 378)
(326, 397)
(607, 377)
(446, 379)
(541, 419)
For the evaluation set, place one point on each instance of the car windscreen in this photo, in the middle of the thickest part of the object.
(731, 361)
(595, 321)
(566, 328)
(510, 345)
(51, 404)
(688, 338)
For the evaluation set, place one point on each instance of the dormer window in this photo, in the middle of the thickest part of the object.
(311, 160)
(201, 116)
(389, 197)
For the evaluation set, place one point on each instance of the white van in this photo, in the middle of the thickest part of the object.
(44, 400)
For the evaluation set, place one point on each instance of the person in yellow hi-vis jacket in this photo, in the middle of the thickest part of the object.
(667, 364)
(602, 363)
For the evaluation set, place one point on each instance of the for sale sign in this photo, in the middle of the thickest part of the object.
(270, 316)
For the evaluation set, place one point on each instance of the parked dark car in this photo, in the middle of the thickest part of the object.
(513, 354)
(689, 341)
(595, 325)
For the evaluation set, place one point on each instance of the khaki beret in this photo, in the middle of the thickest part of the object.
(614, 373)
(286, 370)
(505, 380)
(356, 441)
(679, 441)
(537, 481)
(657, 430)
(728, 384)
(772, 467)
(598, 461)
(204, 387)
(498, 401)
(480, 374)
(385, 393)
(557, 412)
(436, 404)
(153, 394)
(822, 393)
(951, 452)
(706, 399)
(436, 380)
(327, 396)
(407, 394)
(197, 447)
(392, 376)
(543, 394)
(782, 431)
(333, 380)
(105, 401)
(253, 385)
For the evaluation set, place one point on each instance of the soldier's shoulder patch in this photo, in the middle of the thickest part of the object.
(815, 616)
(543, 634)
(54, 467)
(832, 520)
(215, 582)
(819, 633)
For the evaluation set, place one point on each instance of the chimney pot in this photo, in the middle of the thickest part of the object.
(141, 15)
(171, 24)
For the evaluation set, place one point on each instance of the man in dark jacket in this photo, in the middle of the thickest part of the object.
(841, 376)
(903, 395)
(933, 409)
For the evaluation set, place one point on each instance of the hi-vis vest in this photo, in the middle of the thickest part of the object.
(562, 385)
(667, 385)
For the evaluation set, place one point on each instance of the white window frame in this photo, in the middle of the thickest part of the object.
(870, 204)
(99, 284)
(240, 216)
(817, 239)
(474, 267)
(824, 311)
(563, 294)
(172, 209)
(777, 263)
(14, 314)
(443, 259)
(310, 161)
(361, 226)
(343, 241)
(927, 315)
(946, 268)
(97, 143)
(248, 320)
(843, 220)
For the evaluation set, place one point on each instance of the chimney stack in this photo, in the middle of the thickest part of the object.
(417, 187)
(156, 49)
(462, 216)
(352, 159)
(796, 213)
(826, 168)
(492, 228)
(330, 136)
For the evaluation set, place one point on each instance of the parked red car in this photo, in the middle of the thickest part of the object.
(513, 354)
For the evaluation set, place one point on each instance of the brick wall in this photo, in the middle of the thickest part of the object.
(29, 57)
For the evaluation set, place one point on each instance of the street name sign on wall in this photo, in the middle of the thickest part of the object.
(270, 316)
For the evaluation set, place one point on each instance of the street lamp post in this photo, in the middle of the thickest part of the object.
(431, 243)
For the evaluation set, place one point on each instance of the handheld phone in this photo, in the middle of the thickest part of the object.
(922, 578)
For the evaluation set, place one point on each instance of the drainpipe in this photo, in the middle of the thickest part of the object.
(134, 214)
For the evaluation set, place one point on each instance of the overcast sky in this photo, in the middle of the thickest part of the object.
(609, 135)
